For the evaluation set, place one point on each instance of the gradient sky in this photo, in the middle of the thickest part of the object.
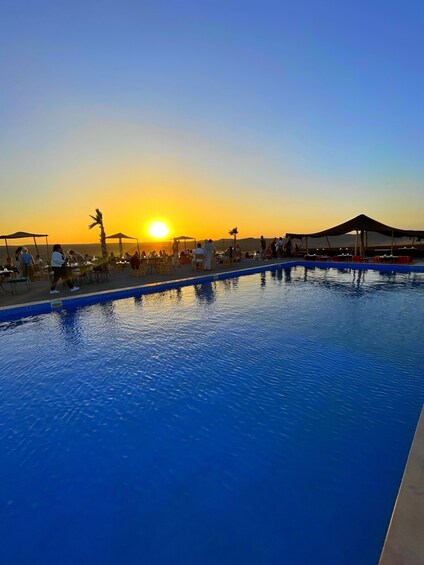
(269, 116)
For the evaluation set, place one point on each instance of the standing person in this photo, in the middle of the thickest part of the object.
(280, 245)
(274, 248)
(27, 262)
(237, 252)
(288, 247)
(209, 249)
(175, 249)
(263, 247)
(58, 264)
(18, 264)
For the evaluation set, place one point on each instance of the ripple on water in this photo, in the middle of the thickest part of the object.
(270, 402)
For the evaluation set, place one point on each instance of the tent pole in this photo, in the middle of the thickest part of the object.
(138, 248)
(361, 251)
(47, 246)
(307, 248)
(391, 246)
(121, 251)
(36, 246)
(7, 247)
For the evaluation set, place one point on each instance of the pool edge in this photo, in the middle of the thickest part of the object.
(404, 543)
(9, 313)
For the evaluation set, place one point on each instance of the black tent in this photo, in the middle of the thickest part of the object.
(362, 224)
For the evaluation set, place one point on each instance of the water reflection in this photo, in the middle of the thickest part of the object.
(205, 292)
(287, 275)
(69, 324)
(277, 274)
(229, 284)
(12, 324)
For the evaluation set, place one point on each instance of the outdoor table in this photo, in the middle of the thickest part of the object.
(153, 264)
(345, 257)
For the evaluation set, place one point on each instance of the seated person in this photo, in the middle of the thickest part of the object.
(135, 261)
(38, 262)
(76, 257)
(11, 267)
(198, 255)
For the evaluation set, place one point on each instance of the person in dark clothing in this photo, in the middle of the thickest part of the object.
(263, 247)
(60, 270)
(135, 261)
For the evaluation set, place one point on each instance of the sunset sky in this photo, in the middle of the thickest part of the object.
(269, 116)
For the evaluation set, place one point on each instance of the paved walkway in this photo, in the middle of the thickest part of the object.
(40, 290)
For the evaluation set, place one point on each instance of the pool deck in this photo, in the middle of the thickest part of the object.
(404, 543)
(121, 280)
(124, 280)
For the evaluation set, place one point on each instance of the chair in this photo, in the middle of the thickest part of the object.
(141, 271)
(165, 266)
(14, 283)
(40, 273)
(198, 261)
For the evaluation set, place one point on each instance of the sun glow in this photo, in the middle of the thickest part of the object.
(158, 230)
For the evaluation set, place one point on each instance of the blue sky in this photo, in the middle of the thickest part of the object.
(314, 108)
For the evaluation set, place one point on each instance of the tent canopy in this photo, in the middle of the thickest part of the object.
(21, 234)
(361, 223)
(184, 238)
(25, 234)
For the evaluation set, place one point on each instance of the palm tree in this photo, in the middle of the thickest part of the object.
(234, 232)
(98, 221)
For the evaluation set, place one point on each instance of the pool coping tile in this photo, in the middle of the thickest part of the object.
(404, 544)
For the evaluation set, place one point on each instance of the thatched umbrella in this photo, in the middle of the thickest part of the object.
(120, 236)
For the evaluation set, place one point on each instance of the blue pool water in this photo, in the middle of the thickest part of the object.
(264, 419)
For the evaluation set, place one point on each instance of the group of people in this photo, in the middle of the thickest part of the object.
(198, 256)
(276, 248)
(24, 264)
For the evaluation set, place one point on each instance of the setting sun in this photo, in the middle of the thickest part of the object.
(158, 230)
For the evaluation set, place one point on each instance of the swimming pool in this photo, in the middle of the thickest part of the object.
(261, 419)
